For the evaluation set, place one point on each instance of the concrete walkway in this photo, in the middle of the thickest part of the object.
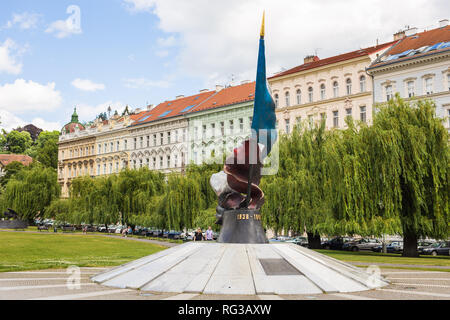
(400, 265)
(59, 285)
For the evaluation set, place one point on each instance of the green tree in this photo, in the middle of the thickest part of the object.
(420, 190)
(18, 142)
(45, 150)
(10, 170)
(31, 190)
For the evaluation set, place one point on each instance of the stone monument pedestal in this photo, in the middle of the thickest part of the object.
(242, 226)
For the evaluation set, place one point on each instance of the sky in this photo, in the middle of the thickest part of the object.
(57, 55)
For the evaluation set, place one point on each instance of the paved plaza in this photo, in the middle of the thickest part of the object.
(56, 285)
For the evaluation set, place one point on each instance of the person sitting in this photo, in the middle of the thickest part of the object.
(198, 236)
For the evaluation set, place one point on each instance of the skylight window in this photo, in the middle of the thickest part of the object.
(188, 108)
(165, 114)
(145, 118)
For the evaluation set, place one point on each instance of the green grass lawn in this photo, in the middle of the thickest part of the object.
(28, 251)
(375, 257)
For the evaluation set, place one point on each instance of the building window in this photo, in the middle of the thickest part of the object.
(161, 164)
(104, 168)
(111, 146)
(363, 114)
(148, 141)
(241, 125)
(388, 93)
(118, 146)
(162, 138)
(168, 161)
(335, 119)
(322, 91)
(154, 140)
(429, 85)
(213, 130)
(204, 131)
(222, 128)
(141, 143)
(288, 99)
(176, 136)
(362, 83)
(310, 94)
(110, 168)
(126, 144)
(92, 150)
(288, 129)
(299, 96)
(154, 163)
(105, 146)
(141, 163)
(335, 89)
(168, 137)
(276, 100)
(448, 81)
(410, 86)
(298, 121)
(348, 113)
(135, 143)
(117, 167)
(176, 161)
(349, 86)
(231, 126)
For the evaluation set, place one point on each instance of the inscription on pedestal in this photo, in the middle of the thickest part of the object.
(242, 226)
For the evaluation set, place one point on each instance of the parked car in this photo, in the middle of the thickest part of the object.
(361, 244)
(174, 235)
(301, 241)
(438, 248)
(335, 243)
(423, 244)
(393, 247)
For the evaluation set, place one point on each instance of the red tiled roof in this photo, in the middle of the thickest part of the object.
(419, 40)
(70, 127)
(335, 59)
(229, 96)
(173, 108)
(6, 159)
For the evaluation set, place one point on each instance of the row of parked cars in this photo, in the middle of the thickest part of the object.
(369, 244)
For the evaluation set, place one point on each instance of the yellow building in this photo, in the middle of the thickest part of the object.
(328, 89)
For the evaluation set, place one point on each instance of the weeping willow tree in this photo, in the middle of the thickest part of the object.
(419, 192)
(298, 197)
(182, 201)
(136, 188)
(31, 190)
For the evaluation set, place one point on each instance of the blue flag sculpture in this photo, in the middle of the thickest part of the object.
(237, 186)
(264, 118)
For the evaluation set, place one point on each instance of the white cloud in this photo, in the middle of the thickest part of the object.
(221, 37)
(87, 85)
(68, 27)
(9, 121)
(167, 42)
(9, 51)
(139, 83)
(47, 125)
(88, 112)
(24, 20)
(62, 29)
(25, 96)
(162, 53)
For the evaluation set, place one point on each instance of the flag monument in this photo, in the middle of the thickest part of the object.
(242, 262)
(240, 197)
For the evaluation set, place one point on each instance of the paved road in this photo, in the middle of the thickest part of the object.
(53, 284)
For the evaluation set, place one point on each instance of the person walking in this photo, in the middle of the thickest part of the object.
(209, 234)
(198, 236)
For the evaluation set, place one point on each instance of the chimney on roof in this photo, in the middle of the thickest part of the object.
(204, 90)
(410, 32)
(219, 88)
(399, 35)
(443, 23)
(311, 58)
(179, 97)
(150, 107)
(245, 81)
